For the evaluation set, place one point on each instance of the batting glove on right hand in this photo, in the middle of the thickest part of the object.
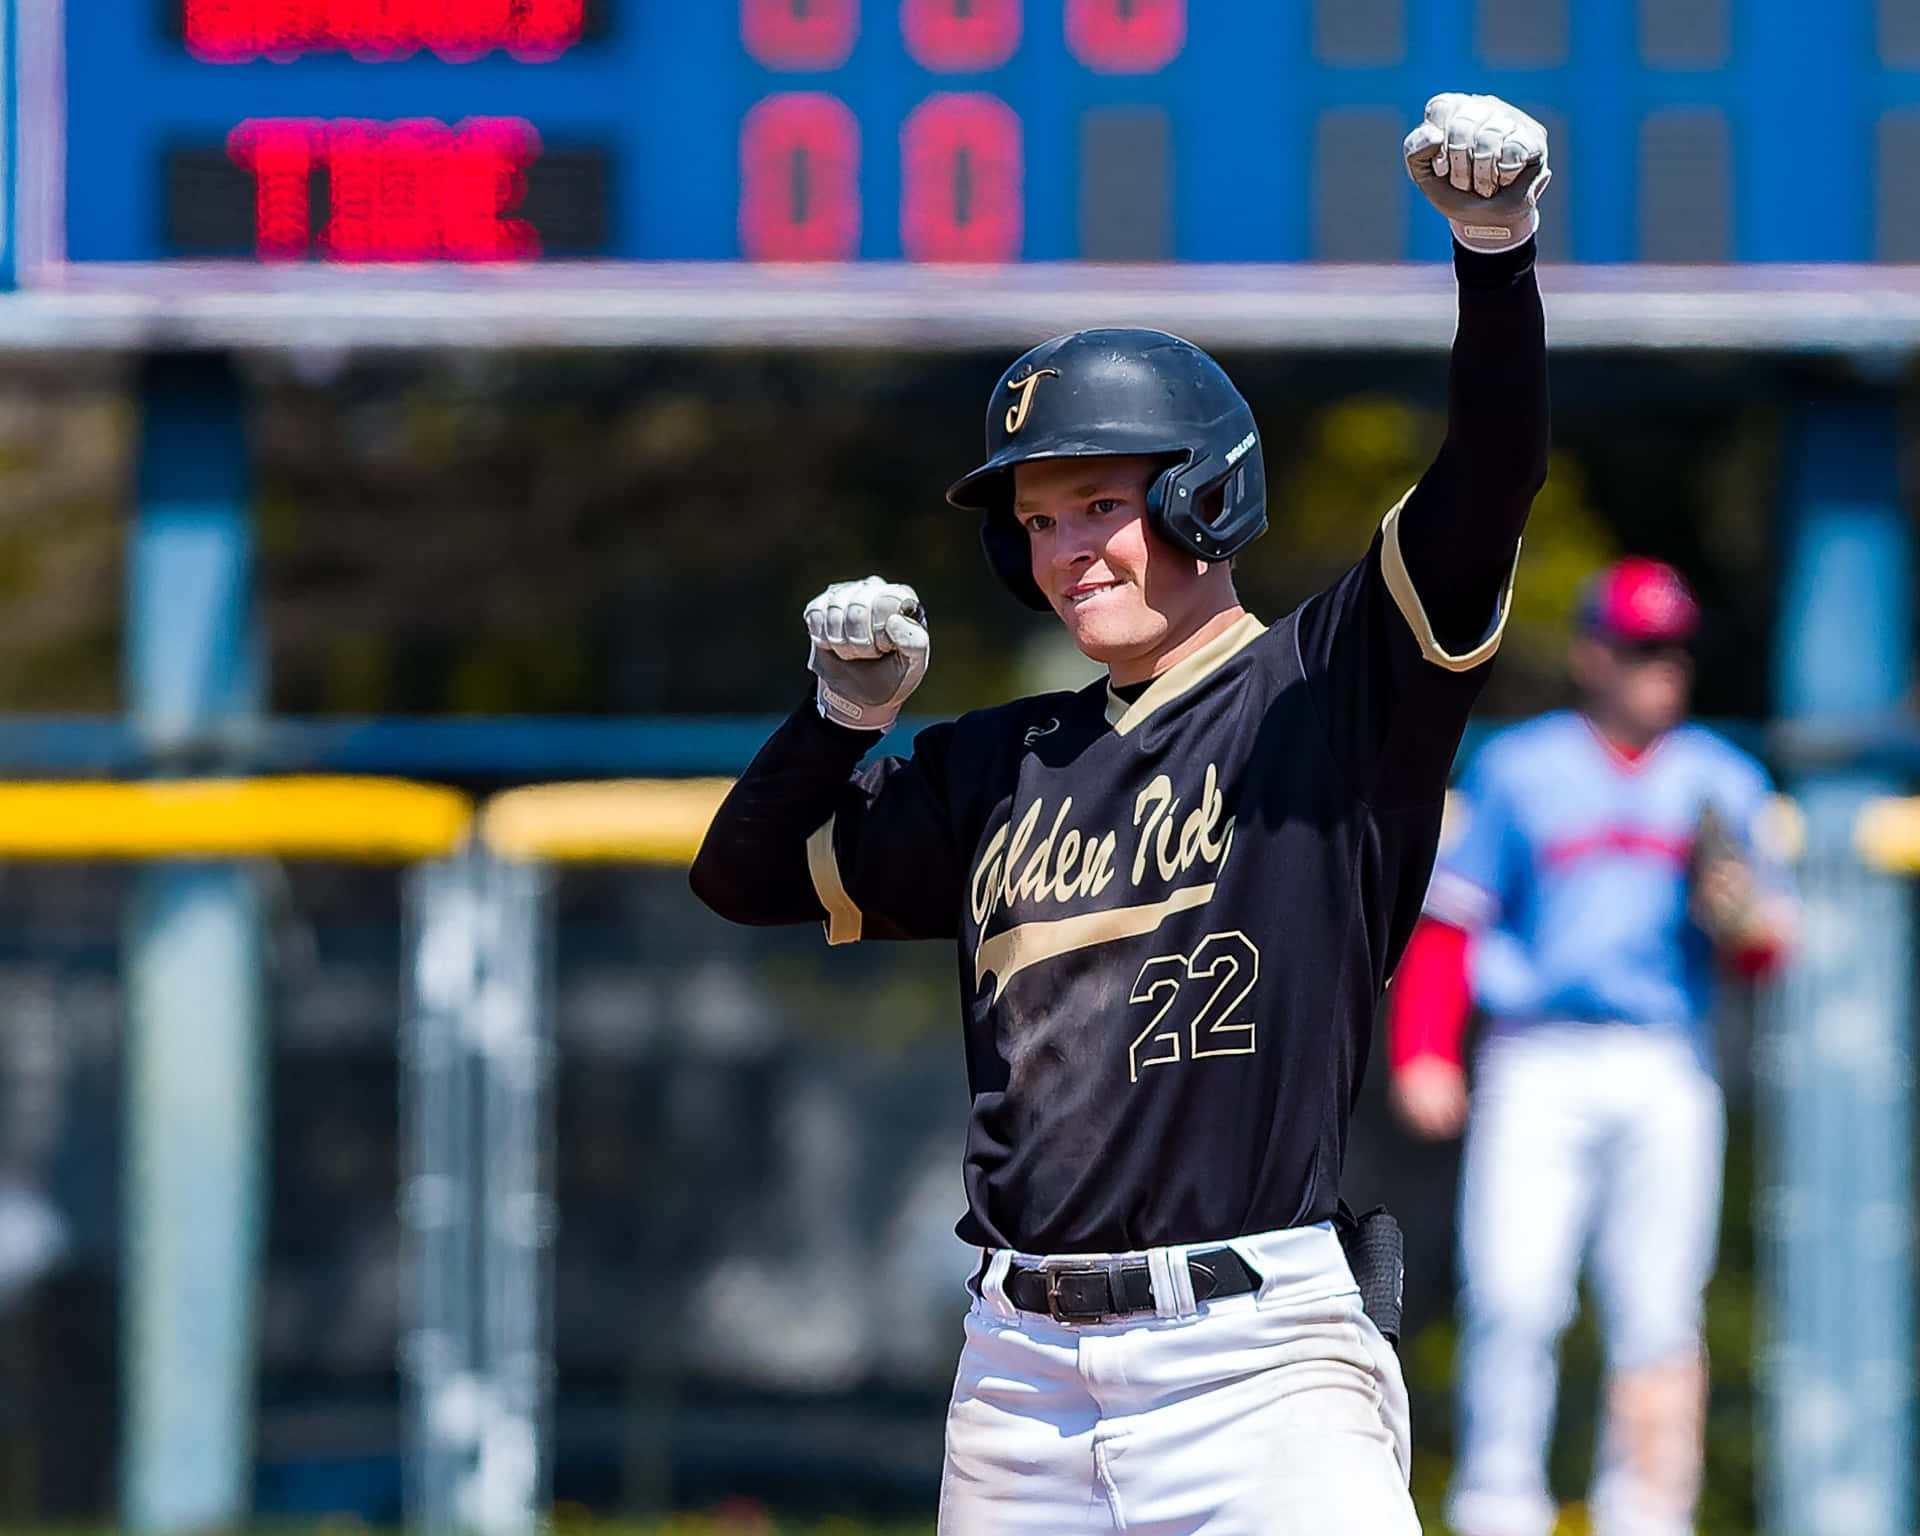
(869, 653)
(1483, 164)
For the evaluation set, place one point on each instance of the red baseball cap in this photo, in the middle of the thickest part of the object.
(1639, 601)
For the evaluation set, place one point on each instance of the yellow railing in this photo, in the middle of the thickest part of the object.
(617, 821)
(1887, 835)
(373, 820)
(362, 819)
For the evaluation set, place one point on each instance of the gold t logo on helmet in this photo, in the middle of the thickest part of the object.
(1017, 412)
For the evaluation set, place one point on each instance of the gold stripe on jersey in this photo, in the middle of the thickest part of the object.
(843, 917)
(1183, 674)
(1393, 567)
(1007, 954)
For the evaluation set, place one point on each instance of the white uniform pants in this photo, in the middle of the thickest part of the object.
(1604, 1135)
(1278, 1413)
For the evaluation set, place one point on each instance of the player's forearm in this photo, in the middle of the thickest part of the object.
(1460, 528)
(1497, 384)
(1429, 1001)
(752, 865)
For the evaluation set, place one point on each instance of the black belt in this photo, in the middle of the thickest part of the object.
(1112, 1288)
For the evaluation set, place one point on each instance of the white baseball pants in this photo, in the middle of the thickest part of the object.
(1278, 1413)
(1606, 1137)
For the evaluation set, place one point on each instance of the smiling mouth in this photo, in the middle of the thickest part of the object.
(1080, 594)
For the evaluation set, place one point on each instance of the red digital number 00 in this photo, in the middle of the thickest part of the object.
(800, 180)
(1126, 37)
(960, 36)
(962, 180)
(799, 34)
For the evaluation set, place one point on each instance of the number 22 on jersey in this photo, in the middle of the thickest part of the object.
(1213, 982)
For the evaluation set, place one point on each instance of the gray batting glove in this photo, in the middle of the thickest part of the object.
(869, 651)
(1483, 164)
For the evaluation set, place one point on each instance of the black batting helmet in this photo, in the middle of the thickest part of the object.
(1114, 392)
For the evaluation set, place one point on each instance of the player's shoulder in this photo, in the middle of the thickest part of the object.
(1543, 744)
(1280, 651)
(1708, 751)
(1000, 729)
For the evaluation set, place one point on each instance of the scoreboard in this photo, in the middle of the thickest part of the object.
(475, 130)
(490, 131)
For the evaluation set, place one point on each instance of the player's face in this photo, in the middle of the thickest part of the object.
(1124, 593)
(1640, 691)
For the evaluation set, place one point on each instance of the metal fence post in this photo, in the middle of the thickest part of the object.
(1836, 1235)
(477, 1196)
(1835, 1083)
(440, 1348)
(517, 1220)
(196, 1094)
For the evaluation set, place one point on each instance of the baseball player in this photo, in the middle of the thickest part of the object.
(1176, 897)
(1612, 860)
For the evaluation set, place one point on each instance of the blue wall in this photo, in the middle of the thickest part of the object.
(662, 88)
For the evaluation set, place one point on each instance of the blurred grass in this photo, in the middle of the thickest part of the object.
(742, 1521)
(745, 1525)
(1427, 1498)
(748, 1519)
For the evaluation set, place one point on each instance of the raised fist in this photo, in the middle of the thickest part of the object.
(1483, 164)
(869, 651)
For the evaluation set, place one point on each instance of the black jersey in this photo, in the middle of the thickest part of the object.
(1174, 915)
(1174, 918)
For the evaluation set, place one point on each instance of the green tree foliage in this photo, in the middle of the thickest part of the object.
(1357, 458)
(65, 466)
(531, 533)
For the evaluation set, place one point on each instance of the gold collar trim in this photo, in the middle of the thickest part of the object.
(1183, 675)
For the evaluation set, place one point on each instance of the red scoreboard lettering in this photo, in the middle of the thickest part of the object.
(414, 190)
(483, 178)
(531, 30)
(1126, 37)
(382, 189)
(800, 180)
(799, 34)
(960, 36)
(279, 153)
(235, 31)
(962, 180)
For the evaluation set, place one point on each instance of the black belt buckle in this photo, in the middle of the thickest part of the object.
(1082, 1293)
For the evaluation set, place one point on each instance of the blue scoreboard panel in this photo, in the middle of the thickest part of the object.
(961, 130)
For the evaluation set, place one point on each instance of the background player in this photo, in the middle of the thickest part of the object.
(1612, 859)
(1176, 896)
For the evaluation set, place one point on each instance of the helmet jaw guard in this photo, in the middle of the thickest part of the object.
(1211, 510)
(1122, 392)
